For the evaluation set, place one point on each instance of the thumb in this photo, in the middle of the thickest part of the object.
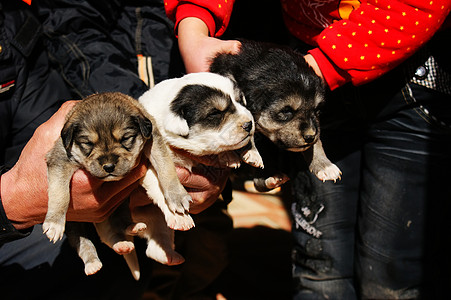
(230, 47)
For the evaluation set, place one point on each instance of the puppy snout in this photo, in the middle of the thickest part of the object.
(109, 167)
(309, 135)
(108, 162)
(309, 138)
(247, 126)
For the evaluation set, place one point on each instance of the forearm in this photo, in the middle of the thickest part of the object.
(197, 48)
(23, 207)
(8, 231)
(192, 33)
(215, 14)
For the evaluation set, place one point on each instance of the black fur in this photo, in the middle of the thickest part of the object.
(196, 104)
(267, 73)
(283, 93)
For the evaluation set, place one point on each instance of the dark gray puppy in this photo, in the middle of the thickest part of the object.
(283, 94)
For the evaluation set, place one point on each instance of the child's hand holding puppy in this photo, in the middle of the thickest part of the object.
(197, 47)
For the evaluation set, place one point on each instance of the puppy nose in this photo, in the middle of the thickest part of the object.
(108, 167)
(309, 138)
(247, 126)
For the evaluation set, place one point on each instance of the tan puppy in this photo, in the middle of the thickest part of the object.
(106, 134)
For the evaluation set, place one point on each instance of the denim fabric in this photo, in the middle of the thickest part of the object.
(382, 228)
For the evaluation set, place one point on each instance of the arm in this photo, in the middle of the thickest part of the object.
(197, 48)
(376, 38)
(215, 13)
(198, 24)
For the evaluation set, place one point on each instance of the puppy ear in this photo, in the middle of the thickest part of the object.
(67, 136)
(145, 125)
(176, 125)
(242, 99)
(238, 92)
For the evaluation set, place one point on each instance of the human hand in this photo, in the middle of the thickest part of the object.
(314, 65)
(198, 48)
(24, 187)
(204, 184)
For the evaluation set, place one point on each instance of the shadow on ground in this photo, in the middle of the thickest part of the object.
(259, 267)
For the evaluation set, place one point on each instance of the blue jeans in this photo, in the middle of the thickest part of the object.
(381, 231)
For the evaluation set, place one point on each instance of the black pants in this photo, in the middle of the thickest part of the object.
(380, 232)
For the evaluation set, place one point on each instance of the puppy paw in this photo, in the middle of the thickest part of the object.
(233, 164)
(54, 229)
(92, 267)
(123, 247)
(179, 221)
(253, 158)
(136, 228)
(229, 159)
(132, 261)
(276, 181)
(174, 259)
(330, 172)
(182, 205)
(167, 257)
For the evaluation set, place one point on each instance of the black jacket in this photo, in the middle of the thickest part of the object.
(31, 91)
(57, 50)
(96, 43)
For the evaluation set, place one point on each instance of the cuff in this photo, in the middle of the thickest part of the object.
(334, 76)
(191, 10)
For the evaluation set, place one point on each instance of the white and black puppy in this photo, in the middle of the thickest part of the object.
(204, 114)
(283, 94)
(201, 114)
(105, 134)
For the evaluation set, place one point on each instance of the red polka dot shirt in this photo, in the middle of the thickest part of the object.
(357, 41)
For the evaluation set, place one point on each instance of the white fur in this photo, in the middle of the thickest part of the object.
(155, 222)
(204, 141)
(157, 100)
(201, 141)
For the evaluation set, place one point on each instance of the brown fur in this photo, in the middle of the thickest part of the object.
(106, 134)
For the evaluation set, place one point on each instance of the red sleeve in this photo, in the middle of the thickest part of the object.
(377, 37)
(214, 13)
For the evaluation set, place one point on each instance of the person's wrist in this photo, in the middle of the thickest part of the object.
(6, 191)
(192, 34)
(314, 65)
(9, 231)
(192, 27)
(13, 201)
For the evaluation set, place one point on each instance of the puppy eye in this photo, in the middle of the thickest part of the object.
(128, 140)
(285, 114)
(214, 114)
(214, 117)
(85, 146)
